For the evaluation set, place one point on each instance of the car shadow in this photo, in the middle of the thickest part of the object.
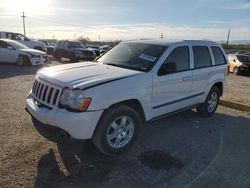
(172, 151)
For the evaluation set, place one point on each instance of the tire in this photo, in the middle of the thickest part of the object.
(22, 61)
(236, 71)
(208, 108)
(56, 56)
(73, 58)
(117, 130)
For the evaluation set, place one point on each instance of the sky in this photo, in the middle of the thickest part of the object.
(128, 19)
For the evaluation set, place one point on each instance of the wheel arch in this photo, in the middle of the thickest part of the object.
(219, 85)
(134, 104)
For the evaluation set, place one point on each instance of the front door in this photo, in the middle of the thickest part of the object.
(172, 85)
(7, 53)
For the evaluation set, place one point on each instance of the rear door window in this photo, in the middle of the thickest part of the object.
(201, 57)
(218, 56)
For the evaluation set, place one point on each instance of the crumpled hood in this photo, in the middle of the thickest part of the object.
(83, 75)
(33, 51)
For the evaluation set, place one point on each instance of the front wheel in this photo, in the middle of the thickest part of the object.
(22, 60)
(117, 129)
(236, 71)
(208, 108)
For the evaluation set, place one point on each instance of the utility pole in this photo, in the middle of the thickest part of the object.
(228, 36)
(23, 16)
(162, 36)
(99, 38)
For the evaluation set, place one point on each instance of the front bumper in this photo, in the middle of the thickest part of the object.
(38, 60)
(77, 125)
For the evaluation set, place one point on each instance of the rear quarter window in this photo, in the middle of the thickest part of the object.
(201, 57)
(218, 56)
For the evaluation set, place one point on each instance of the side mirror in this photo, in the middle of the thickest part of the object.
(167, 68)
(26, 39)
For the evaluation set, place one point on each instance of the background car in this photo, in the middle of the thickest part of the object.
(105, 48)
(31, 43)
(50, 47)
(239, 63)
(96, 48)
(74, 50)
(14, 52)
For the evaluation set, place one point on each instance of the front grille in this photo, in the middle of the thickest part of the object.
(46, 93)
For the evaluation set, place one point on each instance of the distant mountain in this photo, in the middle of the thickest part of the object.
(237, 42)
(240, 42)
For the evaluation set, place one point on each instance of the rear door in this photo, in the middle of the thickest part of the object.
(171, 91)
(202, 72)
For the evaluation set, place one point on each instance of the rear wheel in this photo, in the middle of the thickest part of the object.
(117, 130)
(208, 108)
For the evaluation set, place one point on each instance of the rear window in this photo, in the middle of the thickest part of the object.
(218, 56)
(201, 57)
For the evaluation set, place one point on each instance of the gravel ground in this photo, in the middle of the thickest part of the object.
(183, 150)
(238, 89)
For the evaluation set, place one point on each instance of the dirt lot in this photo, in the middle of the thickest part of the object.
(238, 89)
(183, 150)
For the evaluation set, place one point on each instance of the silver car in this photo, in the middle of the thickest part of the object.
(14, 52)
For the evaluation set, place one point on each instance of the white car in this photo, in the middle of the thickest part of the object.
(136, 81)
(31, 43)
(14, 52)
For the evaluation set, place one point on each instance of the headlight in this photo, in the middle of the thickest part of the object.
(74, 100)
(33, 55)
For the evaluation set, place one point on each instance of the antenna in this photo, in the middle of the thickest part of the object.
(23, 16)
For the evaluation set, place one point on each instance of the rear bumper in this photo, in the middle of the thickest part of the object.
(77, 125)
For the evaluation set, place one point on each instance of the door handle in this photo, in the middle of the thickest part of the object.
(211, 73)
(187, 78)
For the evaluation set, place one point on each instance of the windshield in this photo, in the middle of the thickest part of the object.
(76, 45)
(134, 56)
(243, 58)
(17, 45)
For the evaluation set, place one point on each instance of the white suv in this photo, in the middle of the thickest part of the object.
(136, 81)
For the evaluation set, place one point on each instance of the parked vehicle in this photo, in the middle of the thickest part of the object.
(74, 50)
(104, 49)
(50, 47)
(239, 63)
(14, 52)
(95, 48)
(31, 43)
(136, 81)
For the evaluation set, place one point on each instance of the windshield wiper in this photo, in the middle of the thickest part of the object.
(124, 66)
